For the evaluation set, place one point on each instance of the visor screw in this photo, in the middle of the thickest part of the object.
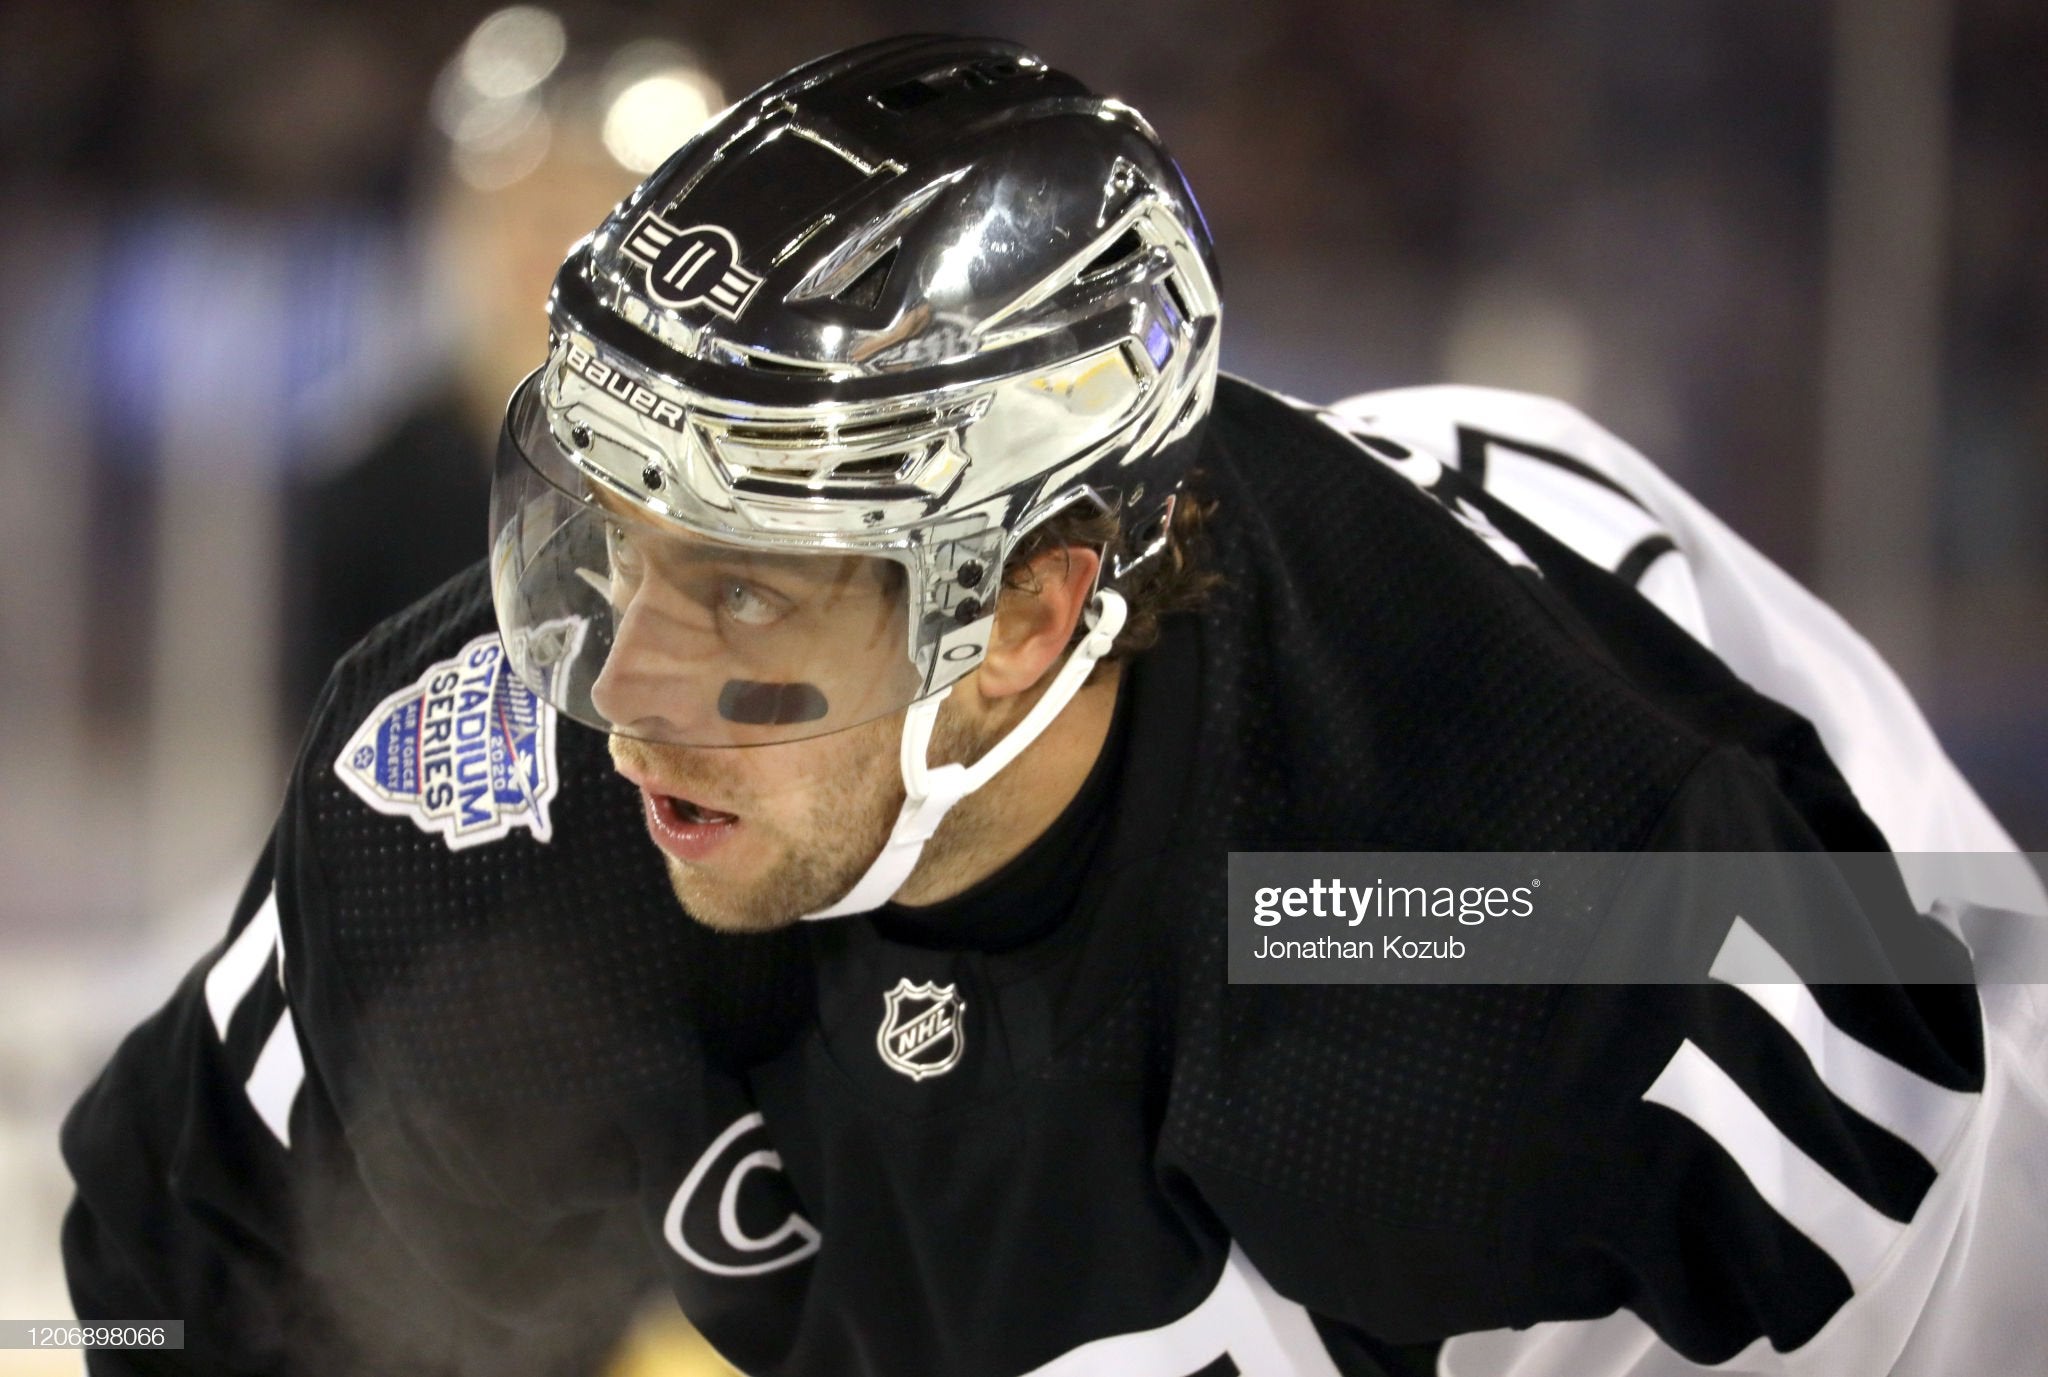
(967, 611)
(970, 574)
(651, 476)
(871, 518)
(579, 436)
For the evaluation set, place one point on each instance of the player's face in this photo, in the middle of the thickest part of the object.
(756, 838)
(712, 644)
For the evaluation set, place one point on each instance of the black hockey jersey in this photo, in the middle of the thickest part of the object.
(462, 1082)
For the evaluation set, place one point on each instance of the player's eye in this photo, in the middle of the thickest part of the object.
(750, 606)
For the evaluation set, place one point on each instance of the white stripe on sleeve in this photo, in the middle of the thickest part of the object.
(1902, 1102)
(1838, 1221)
(274, 1085)
(238, 968)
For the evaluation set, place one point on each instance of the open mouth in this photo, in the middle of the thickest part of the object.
(684, 828)
(694, 814)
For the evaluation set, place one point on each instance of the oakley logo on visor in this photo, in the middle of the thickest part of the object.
(686, 266)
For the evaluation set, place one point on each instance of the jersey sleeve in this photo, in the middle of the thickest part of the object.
(238, 1167)
(181, 1151)
(1740, 1163)
(1617, 510)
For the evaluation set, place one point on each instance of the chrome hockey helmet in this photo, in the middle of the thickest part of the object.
(813, 381)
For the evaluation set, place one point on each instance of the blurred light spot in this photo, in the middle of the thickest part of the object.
(506, 152)
(469, 121)
(1512, 333)
(655, 112)
(513, 51)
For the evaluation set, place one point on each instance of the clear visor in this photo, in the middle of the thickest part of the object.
(631, 624)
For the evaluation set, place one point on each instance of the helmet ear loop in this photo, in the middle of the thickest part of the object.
(1106, 613)
(929, 793)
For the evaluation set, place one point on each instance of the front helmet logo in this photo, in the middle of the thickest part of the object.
(921, 1033)
(686, 266)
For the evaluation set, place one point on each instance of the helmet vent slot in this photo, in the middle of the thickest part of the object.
(808, 435)
(761, 363)
(874, 466)
(865, 292)
(902, 420)
(946, 81)
(1180, 302)
(1128, 245)
(906, 95)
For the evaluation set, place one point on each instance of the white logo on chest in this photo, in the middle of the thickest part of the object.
(703, 1220)
(921, 1033)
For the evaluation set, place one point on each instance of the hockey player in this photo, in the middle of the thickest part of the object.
(879, 507)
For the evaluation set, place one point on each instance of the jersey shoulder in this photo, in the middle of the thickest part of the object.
(1413, 666)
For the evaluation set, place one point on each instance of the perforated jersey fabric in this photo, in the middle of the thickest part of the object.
(496, 972)
(525, 1068)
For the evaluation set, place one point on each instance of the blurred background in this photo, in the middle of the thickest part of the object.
(267, 270)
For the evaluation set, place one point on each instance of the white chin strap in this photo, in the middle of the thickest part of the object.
(929, 794)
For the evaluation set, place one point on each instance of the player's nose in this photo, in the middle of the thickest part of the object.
(650, 685)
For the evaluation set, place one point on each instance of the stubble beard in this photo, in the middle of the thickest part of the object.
(822, 854)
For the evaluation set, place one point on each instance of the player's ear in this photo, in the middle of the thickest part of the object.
(1035, 618)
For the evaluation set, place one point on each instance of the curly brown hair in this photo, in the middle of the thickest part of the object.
(1174, 580)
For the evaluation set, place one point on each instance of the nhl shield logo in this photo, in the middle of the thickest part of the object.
(921, 1033)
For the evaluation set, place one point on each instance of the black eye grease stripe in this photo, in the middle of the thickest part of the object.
(756, 704)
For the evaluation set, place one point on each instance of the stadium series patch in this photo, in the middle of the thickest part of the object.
(466, 751)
